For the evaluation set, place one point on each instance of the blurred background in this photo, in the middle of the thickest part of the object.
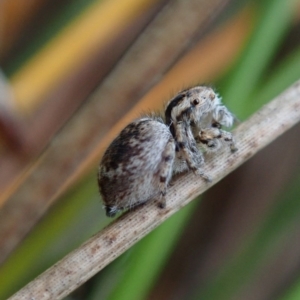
(74, 73)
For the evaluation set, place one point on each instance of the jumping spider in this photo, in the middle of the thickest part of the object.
(140, 162)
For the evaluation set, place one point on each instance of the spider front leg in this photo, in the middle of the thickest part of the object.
(188, 149)
(214, 138)
(228, 138)
(222, 116)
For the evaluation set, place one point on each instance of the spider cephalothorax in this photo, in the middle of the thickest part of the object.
(196, 115)
(139, 163)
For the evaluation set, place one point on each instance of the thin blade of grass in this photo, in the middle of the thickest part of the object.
(241, 268)
(292, 293)
(281, 77)
(76, 217)
(149, 257)
(252, 65)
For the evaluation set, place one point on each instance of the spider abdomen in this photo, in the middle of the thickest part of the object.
(137, 166)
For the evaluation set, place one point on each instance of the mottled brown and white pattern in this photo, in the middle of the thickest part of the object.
(137, 166)
(139, 163)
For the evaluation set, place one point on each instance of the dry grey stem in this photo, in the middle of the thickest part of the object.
(76, 268)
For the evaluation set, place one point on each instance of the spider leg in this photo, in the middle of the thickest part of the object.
(165, 169)
(187, 146)
(229, 139)
(214, 138)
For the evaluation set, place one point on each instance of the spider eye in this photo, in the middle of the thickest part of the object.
(196, 101)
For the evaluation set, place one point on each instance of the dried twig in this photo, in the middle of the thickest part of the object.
(81, 264)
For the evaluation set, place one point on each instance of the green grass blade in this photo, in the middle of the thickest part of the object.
(293, 293)
(147, 259)
(258, 250)
(282, 77)
(275, 20)
(68, 224)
